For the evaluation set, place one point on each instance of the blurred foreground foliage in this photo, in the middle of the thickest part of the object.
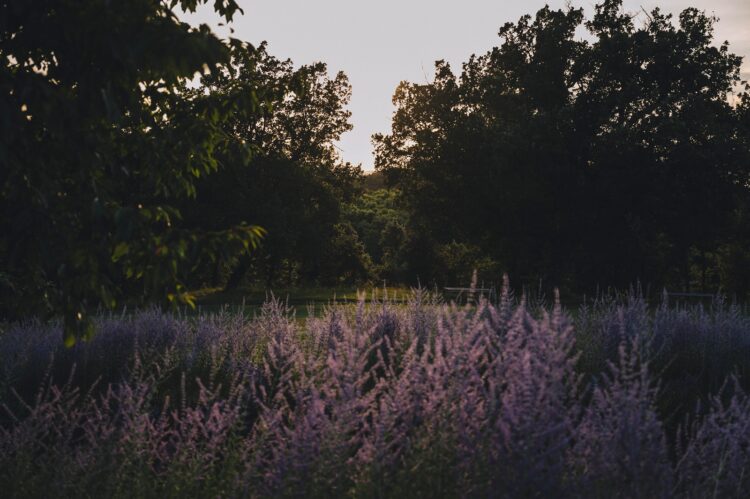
(510, 398)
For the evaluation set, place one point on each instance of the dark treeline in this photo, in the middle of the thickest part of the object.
(296, 184)
(581, 162)
(584, 163)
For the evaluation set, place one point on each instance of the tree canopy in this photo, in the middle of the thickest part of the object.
(136, 151)
(296, 184)
(581, 161)
(99, 139)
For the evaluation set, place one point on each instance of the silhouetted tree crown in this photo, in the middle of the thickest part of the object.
(297, 181)
(582, 161)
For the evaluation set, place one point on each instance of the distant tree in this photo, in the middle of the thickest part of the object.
(304, 112)
(374, 180)
(372, 215)
(579, 162)
(295, 204)
(99, 140)
(460, 261)
(345, 260)
(297, 181)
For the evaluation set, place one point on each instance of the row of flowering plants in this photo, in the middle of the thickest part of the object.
(383, 400)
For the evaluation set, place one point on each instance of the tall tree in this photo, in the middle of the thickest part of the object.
(98, 142)
(581, 162)
(297, 182)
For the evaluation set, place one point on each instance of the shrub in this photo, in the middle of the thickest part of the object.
(383, 400)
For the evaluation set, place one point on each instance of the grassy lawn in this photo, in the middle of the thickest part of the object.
(308, 301)
(305, 301)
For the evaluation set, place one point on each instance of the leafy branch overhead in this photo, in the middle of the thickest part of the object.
(100, 139)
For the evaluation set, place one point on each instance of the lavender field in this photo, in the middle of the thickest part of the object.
(506, 399)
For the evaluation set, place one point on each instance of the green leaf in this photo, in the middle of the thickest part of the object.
(121, 250)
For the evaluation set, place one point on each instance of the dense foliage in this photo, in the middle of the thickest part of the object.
(577, 162)
(297, 182)
(425, 400)
(99, 140)
(583, 161)
(380, 223)
(135, 150)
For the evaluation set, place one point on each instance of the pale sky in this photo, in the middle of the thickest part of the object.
(380, 43)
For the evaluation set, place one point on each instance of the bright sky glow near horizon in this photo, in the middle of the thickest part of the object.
(379, 44)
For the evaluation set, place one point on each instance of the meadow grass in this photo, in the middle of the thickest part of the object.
(305, 301)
